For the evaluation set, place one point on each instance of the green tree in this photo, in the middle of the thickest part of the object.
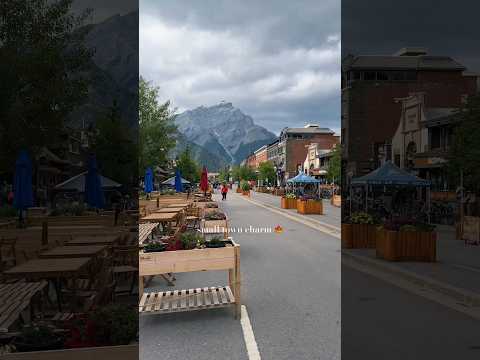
(115, 148)
(335, 165)
(266, 172)
(189, 169)
(464, 156)
(224, 175)
(43, 73)
(157, 129)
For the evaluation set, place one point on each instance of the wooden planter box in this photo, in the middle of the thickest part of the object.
(406, 245)
(359, 236)
(336, 200)
(288, 203)
(246, 193)
(226, 258)
(310, 207)
(122, 352)
(239, 190)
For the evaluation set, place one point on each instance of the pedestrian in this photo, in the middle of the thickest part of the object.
(224, 191)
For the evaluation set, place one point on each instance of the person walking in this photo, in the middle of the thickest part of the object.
(224, 191)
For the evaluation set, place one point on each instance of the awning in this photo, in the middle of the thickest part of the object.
(77, 183)
(390, 174)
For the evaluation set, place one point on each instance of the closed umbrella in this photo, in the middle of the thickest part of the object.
(93, 187)
(148, 181)
(22, 187)
(204, 180)
(178, 181)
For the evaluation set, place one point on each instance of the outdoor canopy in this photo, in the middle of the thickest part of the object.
(302, 178)
(22, 188)
(171, 181)
(390, 174)
(77, 183)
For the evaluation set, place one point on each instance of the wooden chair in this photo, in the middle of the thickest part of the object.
(8, 252)
(125, 265)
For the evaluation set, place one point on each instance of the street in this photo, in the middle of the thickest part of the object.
(382, 321)
(290, 287)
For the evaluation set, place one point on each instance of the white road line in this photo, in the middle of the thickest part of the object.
(249, 337)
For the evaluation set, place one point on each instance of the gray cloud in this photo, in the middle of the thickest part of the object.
(278, 61)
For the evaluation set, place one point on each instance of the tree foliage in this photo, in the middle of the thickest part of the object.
(189, 169)
(266, 172)
(115, 149)
(243, 173)
(464, 156)
(335, 165)
(157, 129)
(42, 72)
(224, 175)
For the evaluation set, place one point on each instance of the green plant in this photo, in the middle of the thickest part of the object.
(37, 335)
(362, 218)
(211, 205)
(215, 242)
(408, 228)
(215, 215)
(245, 186)
(8, 211)
(155, 247)
(191, 239)
(115, 324)
(290, 196)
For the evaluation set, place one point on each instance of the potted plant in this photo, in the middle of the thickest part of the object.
(245, 188)
(359, 231)
(191, 240)
(215, 242)
(289, 201)
(404, 239)
(38, 337)
(155, 247)
(309, 205)
(215, 215)
(211, 205)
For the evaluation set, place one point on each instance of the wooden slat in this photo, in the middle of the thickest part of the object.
(223, 297)
(206, 294)
(183, 301)
(191, 298)
(166, 303)
(199, 297)
(159, 300)
(214, 296)
(174, 300)
(230, 294)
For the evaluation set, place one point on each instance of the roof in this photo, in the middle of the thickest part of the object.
(309, 130)
(390, 174)
(302, 178)
(171, 181)
(77, 183)
(435, 116)
(422, 62)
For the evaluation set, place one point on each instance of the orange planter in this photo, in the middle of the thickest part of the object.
(310, 207)
(406, 245)
(246, 193)
(288, 203)
(239, 190)
(359, 236)
(336, 200)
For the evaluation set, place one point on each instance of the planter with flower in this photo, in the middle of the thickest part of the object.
(309, 205)
(289, 201)
(245, 188)
(403, 239)
(359, 231)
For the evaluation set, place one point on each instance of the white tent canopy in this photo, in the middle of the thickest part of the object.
(77, 183)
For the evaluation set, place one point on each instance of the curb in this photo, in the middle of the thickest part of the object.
(464, 296)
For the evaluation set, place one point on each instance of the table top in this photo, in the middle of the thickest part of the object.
(169, 210)
(49, 268)
(160, 217)
(178, 205)
(15, 298)
(93, 240)
(73, 251)
(204, 204)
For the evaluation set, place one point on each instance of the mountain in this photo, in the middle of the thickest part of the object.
(113, 70)
(223, 130)
(201, 155)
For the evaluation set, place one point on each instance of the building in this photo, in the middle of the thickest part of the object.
(317, 161)
(251, 161)
(260, 156)
(371, 111)
(293, 145)
(423, 139)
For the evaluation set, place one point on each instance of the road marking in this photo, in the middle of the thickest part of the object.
(248, 336)
(325, 228)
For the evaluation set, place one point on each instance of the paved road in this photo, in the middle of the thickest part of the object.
(381, 321)
(291, 288)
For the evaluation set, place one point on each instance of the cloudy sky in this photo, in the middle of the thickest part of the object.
(276, 60)
(444, 27)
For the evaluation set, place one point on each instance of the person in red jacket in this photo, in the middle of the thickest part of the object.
(224, 191)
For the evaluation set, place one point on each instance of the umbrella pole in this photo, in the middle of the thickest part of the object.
(366, 198)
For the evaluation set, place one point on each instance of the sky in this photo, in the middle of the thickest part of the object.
(276, 60)
(448, 28)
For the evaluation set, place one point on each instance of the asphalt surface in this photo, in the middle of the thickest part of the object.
(381, 321)
(290, 286)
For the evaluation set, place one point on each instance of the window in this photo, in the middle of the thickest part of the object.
(382, 75)
(369, 75)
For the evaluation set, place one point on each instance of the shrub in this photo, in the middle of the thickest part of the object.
(191, 239)
(362, 218)
(245, 186)
(290, 196)
(8, 211)
(215, 215)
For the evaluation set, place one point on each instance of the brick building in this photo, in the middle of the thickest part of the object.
(260, 156)
(371, 89)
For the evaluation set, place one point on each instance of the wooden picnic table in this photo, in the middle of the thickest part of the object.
(178, 205)
(169, 210)
(160, 217)
(51, 269)
(73, 251)
(145, 230)
(16, 299)
(93, 240)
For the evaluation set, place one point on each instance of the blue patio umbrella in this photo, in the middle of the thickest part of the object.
(93, 186)
(148, 181)
(178, 181)
(22, 187)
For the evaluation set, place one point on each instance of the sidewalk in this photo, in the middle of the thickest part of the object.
(456, 273)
